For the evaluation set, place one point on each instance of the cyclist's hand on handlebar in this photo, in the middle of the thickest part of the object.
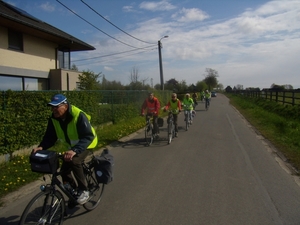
(69, 155)
(36, 149)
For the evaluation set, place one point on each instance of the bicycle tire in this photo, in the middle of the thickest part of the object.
(187, 121)
(170, 131)
(149, 134)
(38, 209)
(206, 104)
(95, 189)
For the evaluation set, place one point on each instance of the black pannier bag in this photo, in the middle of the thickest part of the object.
(160, 122)
(104, 167)
(44, 161)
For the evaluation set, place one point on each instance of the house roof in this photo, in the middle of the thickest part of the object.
(19, 20)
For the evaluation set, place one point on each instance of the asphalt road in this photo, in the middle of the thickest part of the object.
(219, 172)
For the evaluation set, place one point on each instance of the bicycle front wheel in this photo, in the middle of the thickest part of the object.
(149, 134)
(95, 189)
(187, 121)
(170, 131)
(44, 208)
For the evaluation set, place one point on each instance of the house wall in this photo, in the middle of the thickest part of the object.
(38, 60)
(63, 79)
(38, 54)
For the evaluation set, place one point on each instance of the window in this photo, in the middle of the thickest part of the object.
(63, 59)
(12, 83)
(15, 40)
(35, 84)
(22, 83)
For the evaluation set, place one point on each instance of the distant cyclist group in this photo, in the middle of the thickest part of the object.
(151, 108)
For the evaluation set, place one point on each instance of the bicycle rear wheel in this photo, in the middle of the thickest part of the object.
(149, 134)
(44, 208)
(96, 190)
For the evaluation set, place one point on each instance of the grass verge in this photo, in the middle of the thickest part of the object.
(277, 123)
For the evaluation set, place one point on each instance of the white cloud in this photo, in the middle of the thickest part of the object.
(190, 15)
(47, 7)
(128, 8)
(163, 5)
(107, 68)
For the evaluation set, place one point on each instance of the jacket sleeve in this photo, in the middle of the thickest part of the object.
(144, 106)
(167, 106)
(85, 133)
(50, 137)
(179, 104)
(157, 107)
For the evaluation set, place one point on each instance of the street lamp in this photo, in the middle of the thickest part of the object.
(160, 63)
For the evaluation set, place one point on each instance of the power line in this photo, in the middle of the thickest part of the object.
(114, 24)
(112, 54)
(114, 58)
(95, 26)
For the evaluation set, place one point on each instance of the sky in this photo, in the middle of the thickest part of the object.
(253, 43)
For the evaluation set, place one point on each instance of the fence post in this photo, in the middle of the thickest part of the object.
(293, 98)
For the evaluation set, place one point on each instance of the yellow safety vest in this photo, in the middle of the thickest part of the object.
(72, 129)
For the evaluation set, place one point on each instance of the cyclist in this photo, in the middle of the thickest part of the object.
(188, 105)
(195, 96)
(207, 97)
(202, 96)
(71, 126)
(152, 105)
(175, 106)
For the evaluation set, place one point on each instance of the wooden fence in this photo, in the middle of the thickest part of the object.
(291, 97)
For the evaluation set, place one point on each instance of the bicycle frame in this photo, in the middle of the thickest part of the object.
(171, 127)
(187, 114)
(149, 136)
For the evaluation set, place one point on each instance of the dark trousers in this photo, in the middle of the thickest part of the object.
(175, 119)
(76, 167)
(155, 125)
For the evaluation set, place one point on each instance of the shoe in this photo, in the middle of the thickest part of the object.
(83, 198)
(176, 134)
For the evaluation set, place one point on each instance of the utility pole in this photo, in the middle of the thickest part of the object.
(160, 63)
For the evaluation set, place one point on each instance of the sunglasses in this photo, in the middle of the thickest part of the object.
(57, 106)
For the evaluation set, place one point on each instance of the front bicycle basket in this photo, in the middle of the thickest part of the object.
(44, 161)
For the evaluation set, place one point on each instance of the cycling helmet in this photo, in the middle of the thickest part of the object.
(187, 94)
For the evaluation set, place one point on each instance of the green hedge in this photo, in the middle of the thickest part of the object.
(24, 114)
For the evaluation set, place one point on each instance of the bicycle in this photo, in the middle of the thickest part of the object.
(187, 117)
(49, 206)
(206, 103)
(171, 126)
(149, 130)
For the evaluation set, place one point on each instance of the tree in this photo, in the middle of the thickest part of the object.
(239, 87)
(74, 67)
(220, 86)
(211, 78)
(135, 83)
(171, 85)
(201, 85)
(88, 80)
